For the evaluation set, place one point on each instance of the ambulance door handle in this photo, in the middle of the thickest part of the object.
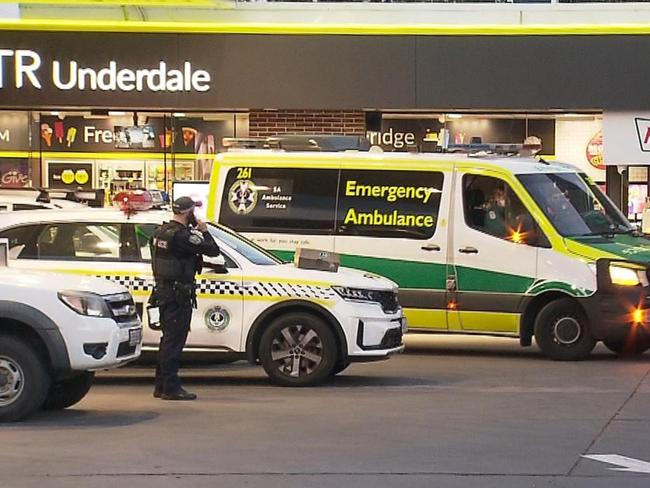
(468, 250)
(431, 247)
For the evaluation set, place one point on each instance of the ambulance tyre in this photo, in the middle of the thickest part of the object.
(562, 331)
(298, 349)
(64, 394)
(632, 346)
(24, 380)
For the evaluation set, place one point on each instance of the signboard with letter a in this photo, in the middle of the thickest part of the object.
(626, 138)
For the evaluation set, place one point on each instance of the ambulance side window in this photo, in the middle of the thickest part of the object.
(492, 207)
(398, 204)
(281, 200)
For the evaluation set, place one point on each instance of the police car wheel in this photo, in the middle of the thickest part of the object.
(633, 345)
(64, 394)
(24, 380)
(562, 331)
(340, 367)
(298, 349)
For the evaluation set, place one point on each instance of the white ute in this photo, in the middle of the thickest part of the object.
(55, 332)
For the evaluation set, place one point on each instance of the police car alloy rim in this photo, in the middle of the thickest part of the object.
(298, 350)
(11, 381)
(566, 331)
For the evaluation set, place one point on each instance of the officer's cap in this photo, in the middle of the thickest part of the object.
(184, 204)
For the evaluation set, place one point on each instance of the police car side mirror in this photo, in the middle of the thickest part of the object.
(218, 268)
(216, 265)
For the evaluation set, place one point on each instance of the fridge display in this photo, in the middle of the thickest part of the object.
(177, 171)
(117, 176)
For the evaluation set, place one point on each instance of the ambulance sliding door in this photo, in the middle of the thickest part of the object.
(394, 223)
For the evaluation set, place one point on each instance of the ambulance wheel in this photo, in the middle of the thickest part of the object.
(630, 346)
(562, 331)
(64, 394)
(24, 380)
(298, 349)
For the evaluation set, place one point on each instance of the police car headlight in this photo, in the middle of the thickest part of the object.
(626, 276)
(355, 294)
(85, 303)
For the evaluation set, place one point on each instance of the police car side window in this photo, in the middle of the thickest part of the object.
(281, 200)
(22, 241)
(79, 241)
(145, 232)
(492, 207)
(399, 204)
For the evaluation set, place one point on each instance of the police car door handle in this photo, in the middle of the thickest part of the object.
(431, 247)
(468, 250)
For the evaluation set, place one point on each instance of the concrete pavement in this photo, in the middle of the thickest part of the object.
(457, 412)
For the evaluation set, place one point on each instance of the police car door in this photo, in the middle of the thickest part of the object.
(217, 320)
(493, 256)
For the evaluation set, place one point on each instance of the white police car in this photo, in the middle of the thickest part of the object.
(301, 325)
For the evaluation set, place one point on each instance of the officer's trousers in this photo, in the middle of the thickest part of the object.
(175, 322)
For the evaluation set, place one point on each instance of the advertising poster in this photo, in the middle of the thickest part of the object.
(14, 173)
(157, 134)
(397, 134)
(14, 134)
(70, 175)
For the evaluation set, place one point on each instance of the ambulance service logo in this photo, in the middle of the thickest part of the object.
(242, 197)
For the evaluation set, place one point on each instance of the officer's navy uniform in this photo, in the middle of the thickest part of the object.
(177, 257)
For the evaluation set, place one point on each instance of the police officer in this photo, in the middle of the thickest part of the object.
(177, 250)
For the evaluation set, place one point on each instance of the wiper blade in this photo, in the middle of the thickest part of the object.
(609, 233)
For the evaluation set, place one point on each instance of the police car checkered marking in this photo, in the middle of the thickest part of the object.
(229, 288)
(133, 283)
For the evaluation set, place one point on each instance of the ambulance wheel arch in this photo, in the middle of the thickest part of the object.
(560, 326)
(269, 315)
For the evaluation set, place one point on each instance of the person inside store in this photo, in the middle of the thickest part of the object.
(177, 255)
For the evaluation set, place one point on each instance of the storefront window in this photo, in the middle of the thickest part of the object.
(114, 151)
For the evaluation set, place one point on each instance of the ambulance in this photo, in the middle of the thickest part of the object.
(301, 324)
(478, 244)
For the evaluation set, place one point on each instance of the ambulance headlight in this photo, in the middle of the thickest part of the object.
(355, 294)
(626, 276)
(85, 303)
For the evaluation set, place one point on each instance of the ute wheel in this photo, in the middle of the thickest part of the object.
(562, 331)
(632, 345)
(24, 381)
(64, 394)
(298, 349)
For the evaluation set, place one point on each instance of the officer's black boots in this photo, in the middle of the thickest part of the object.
(179, 395)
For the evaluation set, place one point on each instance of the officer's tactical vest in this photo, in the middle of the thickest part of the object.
(166, 265)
